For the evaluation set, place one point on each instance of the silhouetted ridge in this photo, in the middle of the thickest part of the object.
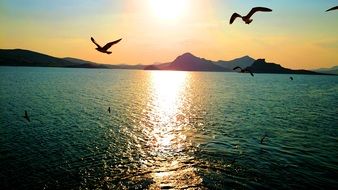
(332, 70)
(151, 67)
(261, 66)
(20, 57)
(189, 62)
(243, 62)
(184, 62)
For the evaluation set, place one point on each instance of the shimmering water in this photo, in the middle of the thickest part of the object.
(180, 130)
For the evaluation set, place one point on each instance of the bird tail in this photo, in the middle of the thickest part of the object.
(108, 52)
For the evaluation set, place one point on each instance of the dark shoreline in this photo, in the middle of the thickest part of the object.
(77, 67)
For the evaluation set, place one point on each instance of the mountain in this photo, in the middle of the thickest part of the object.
(245, 61)
(332, 70)
(152, 67)
(132, 67)
(189, 62)
(90, 64)
(77, 61)
(184, 62)
(20, 57)
(261, 66)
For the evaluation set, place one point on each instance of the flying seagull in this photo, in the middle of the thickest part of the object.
(246, 70)
(106, 47)
(109, 109)
(333, 8)
(26, 116)
(247, 19)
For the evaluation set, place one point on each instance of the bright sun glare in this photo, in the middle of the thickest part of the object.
(168, 9)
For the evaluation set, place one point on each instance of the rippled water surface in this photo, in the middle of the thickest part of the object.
(180, 130)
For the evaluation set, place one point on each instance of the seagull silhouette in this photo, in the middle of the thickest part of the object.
(105, 48)
(26, 116)
(247, 19)
(333, 8)
(109, 109)
(246, 70)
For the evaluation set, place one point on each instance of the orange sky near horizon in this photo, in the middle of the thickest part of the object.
(160, 30)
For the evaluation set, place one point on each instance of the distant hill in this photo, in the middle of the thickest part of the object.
(90, 64)
(152, 67)
(20, 57)
(77, 61)
(245, 61)
(133, 67)
(332, 70)
(261, 66)
(189, 62)
(184, 62)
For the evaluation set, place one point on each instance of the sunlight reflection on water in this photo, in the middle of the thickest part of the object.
(168, 131)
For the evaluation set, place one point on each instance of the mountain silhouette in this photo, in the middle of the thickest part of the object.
(261, 66)
(243, 62)
(20, 57)
(152, 67)
(184, 62)
(78, 61)
(332, 70)
(189, 62)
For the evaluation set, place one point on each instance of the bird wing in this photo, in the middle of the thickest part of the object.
(237, 68)
(108, 45)
(233, 17)
(249, 71)
(95, 42)
(256, 9)
(333, 8)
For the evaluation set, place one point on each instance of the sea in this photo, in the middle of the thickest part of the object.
(166, 130)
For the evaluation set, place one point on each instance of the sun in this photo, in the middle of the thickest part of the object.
(168, 9)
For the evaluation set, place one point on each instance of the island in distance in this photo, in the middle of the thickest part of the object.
(184, 62)
(332, 70)
(189, 62)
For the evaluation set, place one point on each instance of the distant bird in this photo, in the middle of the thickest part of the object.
(247, 19)
(246, 70)
(333, 8)
(26, 116)
(109, 109)
(106, 47)
(291, 78)
(262, 139)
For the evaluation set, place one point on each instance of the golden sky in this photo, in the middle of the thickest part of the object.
(296, 34)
